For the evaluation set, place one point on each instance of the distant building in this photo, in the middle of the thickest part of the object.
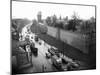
(39, 17)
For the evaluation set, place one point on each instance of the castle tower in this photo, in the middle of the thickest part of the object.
(39, 16)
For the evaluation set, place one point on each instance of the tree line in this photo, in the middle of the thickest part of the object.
(73, 24)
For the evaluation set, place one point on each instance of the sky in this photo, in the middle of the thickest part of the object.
(29, 10)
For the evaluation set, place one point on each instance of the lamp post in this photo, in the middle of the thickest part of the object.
(63, 48)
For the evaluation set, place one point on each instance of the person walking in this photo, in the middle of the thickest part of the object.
(43, 68)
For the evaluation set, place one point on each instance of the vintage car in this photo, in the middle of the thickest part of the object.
(36, 38)
(34, 50)
(15, 35)
(23, 44)
(56, 61)
(27, 38)
(53, 51)
(71, 65)
(48, 55)
(63, 64)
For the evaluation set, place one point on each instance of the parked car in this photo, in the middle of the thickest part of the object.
(23, 44)
(53, 51)
(36, 38)
(27, 38)
(71, 65)
(48, 55)
(63, 64)
(56, 61)
(33, 49)
(15, 35)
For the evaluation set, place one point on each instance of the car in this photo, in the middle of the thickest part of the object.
(23, 44)
(36, 38)
(27, 38)
(63, 64)
(15, 35)
(48, 55)
(34, 50)
(71, 65)
(74, 66)
(53, 51)
(56, 61)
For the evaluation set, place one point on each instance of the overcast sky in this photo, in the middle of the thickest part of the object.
(30, 9)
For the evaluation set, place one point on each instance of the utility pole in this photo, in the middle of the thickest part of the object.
(63, 48)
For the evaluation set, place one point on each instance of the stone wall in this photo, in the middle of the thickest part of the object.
(74, 39)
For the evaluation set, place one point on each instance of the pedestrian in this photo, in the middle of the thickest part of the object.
(44, 43)
(43, 68)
